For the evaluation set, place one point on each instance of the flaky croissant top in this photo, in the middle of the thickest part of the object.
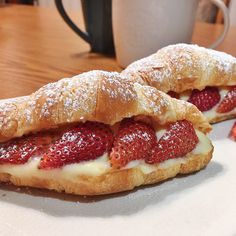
(183, 67)
(101, 96)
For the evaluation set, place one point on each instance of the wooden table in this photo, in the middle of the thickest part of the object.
(37, 47)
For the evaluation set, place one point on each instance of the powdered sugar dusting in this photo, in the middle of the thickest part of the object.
(155, 66)
(9, 107)
(68, 100)
(5, 108)
(181, 62)
(224, 61)
(68, 96)
(157, 101)
(116, 86)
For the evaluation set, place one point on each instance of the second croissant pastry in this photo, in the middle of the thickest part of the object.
(203, 77)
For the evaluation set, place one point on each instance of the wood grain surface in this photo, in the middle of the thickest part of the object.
(37, 47)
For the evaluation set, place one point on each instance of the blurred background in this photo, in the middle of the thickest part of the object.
(207, 11)
(37, 46)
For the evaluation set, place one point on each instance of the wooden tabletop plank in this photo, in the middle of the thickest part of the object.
(37, 47)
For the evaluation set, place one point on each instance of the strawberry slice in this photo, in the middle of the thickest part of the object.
(205, 99)
(229, 101)
(19, 151)
(85, 142)
(134, 141)
(232, 134)
(179, 139)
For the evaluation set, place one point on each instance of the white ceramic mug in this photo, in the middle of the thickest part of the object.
(142, 27)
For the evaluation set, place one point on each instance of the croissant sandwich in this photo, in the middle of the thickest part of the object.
(99, 133)
(204, 77)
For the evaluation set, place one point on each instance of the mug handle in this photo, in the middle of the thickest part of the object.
(84, 35)
(220, 4)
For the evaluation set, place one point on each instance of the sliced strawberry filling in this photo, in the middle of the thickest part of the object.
(134, 140)
(179, 139)
(86, 142)
(20, 150)
(229, 101)
(209, 97)
(205, 99)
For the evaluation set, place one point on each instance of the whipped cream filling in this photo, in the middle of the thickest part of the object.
(211, 113)
(99, 166)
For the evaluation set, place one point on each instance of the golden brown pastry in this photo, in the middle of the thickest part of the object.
(99, 133)
(204, 77)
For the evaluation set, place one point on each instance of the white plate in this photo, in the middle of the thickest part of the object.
(200, 204)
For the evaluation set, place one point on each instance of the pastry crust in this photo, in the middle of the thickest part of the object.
(101, 96)
(114, 181)
(222, 118)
